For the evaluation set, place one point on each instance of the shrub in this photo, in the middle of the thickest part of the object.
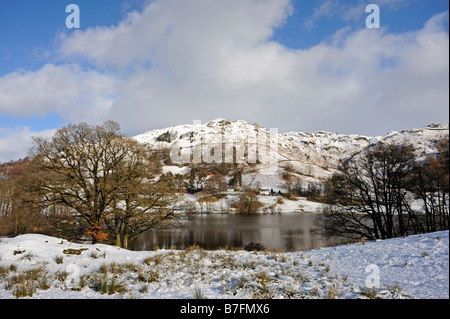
(254, 246)
(97, 233)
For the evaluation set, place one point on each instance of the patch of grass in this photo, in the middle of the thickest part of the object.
(314, 292)
(113, 286)
(263, 281)
(4, 271)
(59, 259)
(396, 289)
(61, 275)
(95, 255)
(193, 247)
(27, 257)
(118, 269)
(71, 251)
(332, 293)
(248, 265)
(107, 284)
(155, 260)
(197, 294)
(143, 289)
(26, 283)
(303, 278)
(24, 289)
(370, 293)
(148, 277)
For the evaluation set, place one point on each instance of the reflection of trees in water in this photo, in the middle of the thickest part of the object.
(290, 233)
(301, 239)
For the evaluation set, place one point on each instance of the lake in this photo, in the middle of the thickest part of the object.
(289, 232)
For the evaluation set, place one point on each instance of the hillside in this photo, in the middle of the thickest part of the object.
(311, 156)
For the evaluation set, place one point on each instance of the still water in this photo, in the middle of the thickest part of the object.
(289, 232)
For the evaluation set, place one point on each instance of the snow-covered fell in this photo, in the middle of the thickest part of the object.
(312, 156)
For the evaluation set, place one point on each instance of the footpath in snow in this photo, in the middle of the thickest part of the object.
(38, 266)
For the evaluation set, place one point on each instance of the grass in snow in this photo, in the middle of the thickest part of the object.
(237, 274)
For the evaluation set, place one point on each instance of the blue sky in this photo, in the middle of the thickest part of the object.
(295, 65)
(29, 27)
(400, 17)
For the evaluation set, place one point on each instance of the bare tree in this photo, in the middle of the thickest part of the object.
(215, 185)
(371, 197)
(103, 177)
(208, 202)
(139, 203)
(430, 184)
(16, 217)
(248, 202)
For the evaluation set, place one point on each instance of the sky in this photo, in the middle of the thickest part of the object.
(294, 65)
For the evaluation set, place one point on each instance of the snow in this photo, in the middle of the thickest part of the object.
(412, 267)
(175, 170)
(310, 157)
(313, 156)
(418, 264)
(272, 203)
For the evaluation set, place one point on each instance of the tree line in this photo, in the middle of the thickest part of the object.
(87, 182)
(386, 191)
(90, 182)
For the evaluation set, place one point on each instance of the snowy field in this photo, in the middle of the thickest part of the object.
(37, 266)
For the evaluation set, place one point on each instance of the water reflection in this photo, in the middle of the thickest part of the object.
(290, 232)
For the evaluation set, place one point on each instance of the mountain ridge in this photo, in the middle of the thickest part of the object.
(313, 156)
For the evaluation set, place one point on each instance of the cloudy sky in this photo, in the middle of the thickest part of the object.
(295, 65)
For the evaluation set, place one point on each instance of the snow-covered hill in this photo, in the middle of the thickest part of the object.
(312, 156)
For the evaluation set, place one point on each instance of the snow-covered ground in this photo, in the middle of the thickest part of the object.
(272, 204)
(48, 267)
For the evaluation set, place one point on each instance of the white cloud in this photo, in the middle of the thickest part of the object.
(168, 28)
(15, 143)
(366, 81)
(68, 90)
(350, 11)
(326, 9)
(183, 60)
